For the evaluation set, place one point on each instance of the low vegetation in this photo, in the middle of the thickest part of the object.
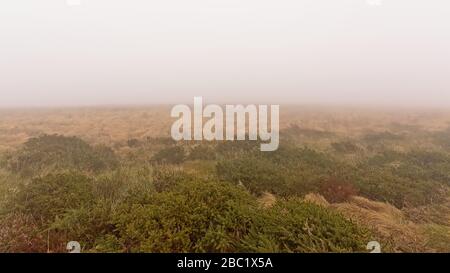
(321, 191)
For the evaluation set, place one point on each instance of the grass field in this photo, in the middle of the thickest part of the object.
(113, 179)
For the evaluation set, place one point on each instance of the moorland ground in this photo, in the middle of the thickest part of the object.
(113, 179)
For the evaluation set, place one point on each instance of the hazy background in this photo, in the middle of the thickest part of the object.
(167, 51)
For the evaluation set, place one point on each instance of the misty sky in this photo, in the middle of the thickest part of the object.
(167, 51)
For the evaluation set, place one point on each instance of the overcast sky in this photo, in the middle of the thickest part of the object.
(167, 51)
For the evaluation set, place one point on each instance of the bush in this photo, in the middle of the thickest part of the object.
(202, 152)
(405, 179)
(52, 195)
(296, 226)
(133, 143)
(165, 179)
(237, 148)
(206, 216)
(54, 152)
(170, 155)
(86, 224)
(196, 216)
(20, 233)
(345, 147)
(288, 171)
(257, 174)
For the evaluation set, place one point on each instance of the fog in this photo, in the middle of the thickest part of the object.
(103, 52)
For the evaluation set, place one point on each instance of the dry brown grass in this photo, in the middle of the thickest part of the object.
(267, 200)
(388, 223)
(95, 125)
(316, 199)
(109, 125)
(431, 214)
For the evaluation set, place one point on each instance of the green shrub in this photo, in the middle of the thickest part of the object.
(206, 216)
(54, 152)
(202, 152)
(237, 148)
(50, 196)
(405, 179)
(287, 171)
(257, 174)
(297, 226)
(86, 224)
(345, 147)
(170, 155)
(165, 179)
(196, 216)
